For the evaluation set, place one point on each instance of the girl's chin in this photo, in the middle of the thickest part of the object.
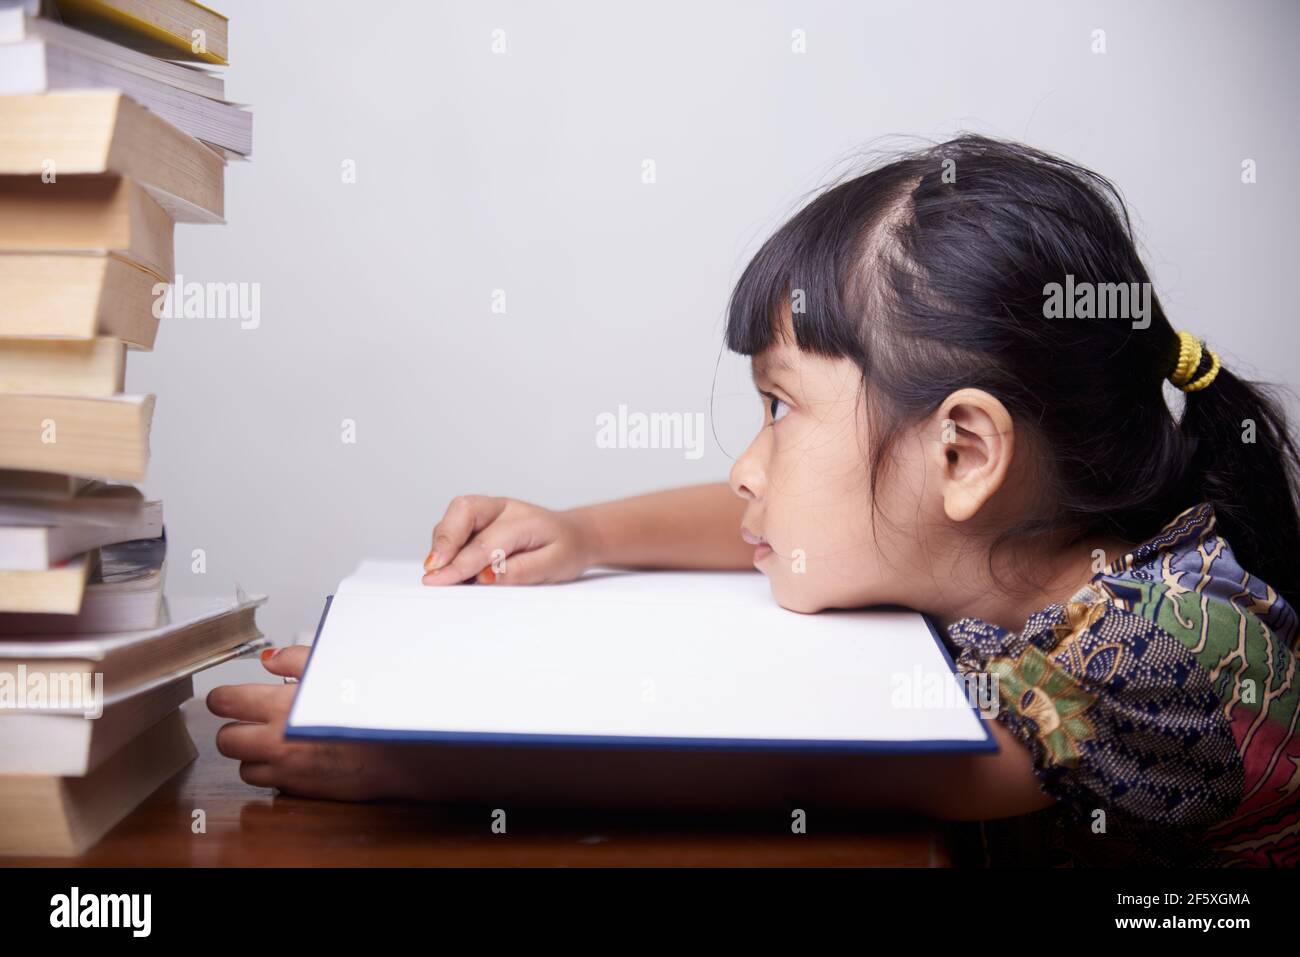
(792, 600)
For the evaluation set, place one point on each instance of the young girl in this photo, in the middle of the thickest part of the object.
(942, 431)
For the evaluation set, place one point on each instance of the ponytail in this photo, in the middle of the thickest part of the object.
(1245, 463)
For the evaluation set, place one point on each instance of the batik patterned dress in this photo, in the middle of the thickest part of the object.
(1159, 703)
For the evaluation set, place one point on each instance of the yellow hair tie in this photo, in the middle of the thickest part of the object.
(1190, 354)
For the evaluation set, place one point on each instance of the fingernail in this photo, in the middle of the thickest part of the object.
(269, 653)
(487, 576)
(433, 561)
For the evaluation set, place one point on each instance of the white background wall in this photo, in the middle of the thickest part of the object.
(522, 172)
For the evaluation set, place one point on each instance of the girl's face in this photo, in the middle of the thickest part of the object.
(806, 480)
(951, 483)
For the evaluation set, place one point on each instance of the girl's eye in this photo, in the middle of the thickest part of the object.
(772, 403)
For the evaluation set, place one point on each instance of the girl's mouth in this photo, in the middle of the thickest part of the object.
(762, 550)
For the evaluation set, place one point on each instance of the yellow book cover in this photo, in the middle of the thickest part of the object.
(171, 29)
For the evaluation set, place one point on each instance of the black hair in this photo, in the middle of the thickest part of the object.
(931, 273)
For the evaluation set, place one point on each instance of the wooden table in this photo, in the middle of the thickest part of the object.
(252, 827)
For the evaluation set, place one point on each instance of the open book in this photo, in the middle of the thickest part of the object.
(626, 660)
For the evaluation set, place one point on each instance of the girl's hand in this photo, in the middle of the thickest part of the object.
(337, 771)
(505, 540)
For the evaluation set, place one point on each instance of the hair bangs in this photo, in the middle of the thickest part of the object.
(795, 285)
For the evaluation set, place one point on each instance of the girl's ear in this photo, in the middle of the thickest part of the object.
(977, 441)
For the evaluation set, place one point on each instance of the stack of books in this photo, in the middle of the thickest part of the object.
(110, 134)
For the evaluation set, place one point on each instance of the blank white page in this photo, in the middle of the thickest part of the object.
(675, 659)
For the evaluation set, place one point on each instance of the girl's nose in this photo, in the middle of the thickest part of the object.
(747, 477)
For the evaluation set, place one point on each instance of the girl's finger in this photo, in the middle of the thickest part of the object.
(493, 546)
(250, 702)
(466, 515)
(259, 774)
(288, 661)
(526, 568)
(476, 555)
(248, 741)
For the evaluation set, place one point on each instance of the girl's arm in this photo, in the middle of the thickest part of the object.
(975, 787)
(947, 787)
(696, 527)
(494, 538)
(941, 786)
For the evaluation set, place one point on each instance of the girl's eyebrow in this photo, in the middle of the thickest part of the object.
(765, 367)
